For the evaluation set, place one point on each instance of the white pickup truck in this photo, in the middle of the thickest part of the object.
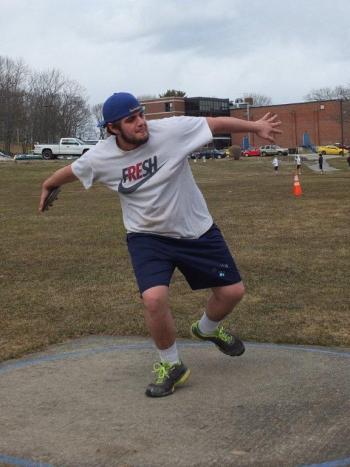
(66, 147)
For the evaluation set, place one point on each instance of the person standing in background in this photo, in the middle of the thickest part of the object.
(298, 164)
(320, 162)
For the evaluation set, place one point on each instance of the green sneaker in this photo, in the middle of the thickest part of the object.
(167, 377)
(224, 341)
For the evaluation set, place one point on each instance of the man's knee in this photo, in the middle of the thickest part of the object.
(156, 299)
(230, 293)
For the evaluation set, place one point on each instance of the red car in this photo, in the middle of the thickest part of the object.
(342, 146)
(251, 152)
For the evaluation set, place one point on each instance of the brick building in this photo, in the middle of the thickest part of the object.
(164, 107)
(195, 106)
(325, 122)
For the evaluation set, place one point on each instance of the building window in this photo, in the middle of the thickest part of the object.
(168, 106)
(207, 106)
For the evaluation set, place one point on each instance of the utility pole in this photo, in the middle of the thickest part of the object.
(248, 118)
(342, 126)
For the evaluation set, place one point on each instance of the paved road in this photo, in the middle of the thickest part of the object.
(312, 162)
(83, 404)
(326, 167)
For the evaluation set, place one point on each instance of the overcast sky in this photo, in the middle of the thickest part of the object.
(222, 48)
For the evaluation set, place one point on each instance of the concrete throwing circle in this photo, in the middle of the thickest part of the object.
(83, 404)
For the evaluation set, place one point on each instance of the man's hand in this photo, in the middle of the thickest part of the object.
(60, 177)
(268, 126)
(44, 194)
(48, 196)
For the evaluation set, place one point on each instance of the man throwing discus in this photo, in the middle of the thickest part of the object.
(167, 221)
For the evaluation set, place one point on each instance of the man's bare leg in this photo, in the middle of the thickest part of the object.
(171, 371)
(223, 300)
(158, 317)
(220, 304)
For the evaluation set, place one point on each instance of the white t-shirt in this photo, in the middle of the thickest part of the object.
(275, 162)
(156, 188)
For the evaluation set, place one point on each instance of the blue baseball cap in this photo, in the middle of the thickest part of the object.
(118, 106)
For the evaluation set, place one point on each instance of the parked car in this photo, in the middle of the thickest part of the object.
(331, 149)
(4, 156)
(342, 146)
(208, 154)
(251, 152)
(273, 150)
(27, 157)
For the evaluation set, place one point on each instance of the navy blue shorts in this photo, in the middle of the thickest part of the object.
(205, 262)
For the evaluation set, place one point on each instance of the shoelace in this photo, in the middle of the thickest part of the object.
(161, 370)
(224, 335)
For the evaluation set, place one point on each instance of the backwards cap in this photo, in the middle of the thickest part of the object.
(118, 106)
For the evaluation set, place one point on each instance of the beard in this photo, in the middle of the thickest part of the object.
(135, 140)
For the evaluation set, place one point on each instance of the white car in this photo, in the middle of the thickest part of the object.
(273, 150)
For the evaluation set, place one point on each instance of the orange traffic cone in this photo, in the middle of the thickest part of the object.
(297, 191)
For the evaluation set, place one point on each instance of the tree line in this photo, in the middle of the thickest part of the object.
(39, 106)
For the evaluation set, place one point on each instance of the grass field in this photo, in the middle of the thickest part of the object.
(67, 273)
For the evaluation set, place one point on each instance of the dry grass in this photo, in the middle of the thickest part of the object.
(67, 273)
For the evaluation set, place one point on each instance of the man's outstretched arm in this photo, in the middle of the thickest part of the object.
(58, 178)
(266, 127)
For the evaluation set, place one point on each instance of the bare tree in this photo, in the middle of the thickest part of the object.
(74, 113)
(58, 106)
(327, 93)
(44, 104)
(39, 106)
(96, 112)
(12, 95)
(258, 99)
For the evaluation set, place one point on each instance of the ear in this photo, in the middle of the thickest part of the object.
(112, 129)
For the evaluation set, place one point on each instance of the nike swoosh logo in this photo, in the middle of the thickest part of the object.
(132, 188)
